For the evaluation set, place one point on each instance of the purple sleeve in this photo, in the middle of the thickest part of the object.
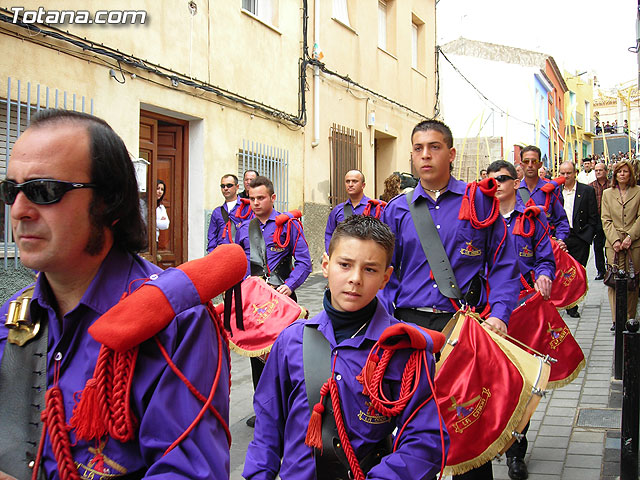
(545, 262)
(331, 226)
(300, 251)
(265, 451)
(168, 407)
(213, 235)
(504, 273)
(557, 215)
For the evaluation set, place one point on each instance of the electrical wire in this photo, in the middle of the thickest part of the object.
(497, 107)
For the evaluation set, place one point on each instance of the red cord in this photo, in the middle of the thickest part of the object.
(495, 209)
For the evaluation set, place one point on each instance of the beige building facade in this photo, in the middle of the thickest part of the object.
(199, 89)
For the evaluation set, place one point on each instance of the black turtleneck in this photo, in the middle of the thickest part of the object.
(346, 324)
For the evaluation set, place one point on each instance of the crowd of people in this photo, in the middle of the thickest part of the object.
(90, 395)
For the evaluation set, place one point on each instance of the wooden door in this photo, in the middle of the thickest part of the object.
(162, 144)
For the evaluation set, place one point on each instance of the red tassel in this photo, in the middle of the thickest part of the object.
(367, 372)
(465, 209)
(314, 430)
(517, 227)
(86, 419)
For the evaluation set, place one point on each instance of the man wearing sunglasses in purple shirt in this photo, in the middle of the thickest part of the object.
(75, 216)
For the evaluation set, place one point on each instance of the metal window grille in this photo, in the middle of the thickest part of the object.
(268, 161)
(346, 154)
(15, 115)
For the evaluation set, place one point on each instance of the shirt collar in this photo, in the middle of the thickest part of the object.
(453, 186)
(362, 201)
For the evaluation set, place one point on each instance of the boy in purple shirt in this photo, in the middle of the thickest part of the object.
(357, 267)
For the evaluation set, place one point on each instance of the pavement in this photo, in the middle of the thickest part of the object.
(575, 431)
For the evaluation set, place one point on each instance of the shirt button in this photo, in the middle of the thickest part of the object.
(58, 356)
(437, 207)
(32, 464)
(438, 227)
(435, 285)
(153, 276)
(338, 377)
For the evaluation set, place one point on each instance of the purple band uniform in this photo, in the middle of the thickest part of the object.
(556, 215)
(159, 400)
(469, 250)
(282, 409)
(217, 223)
(337, 215)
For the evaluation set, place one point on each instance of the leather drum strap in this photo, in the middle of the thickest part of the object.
(23, 383)
(524, 194)
(347, 211)
(432, 247)
(258, 255)
(232, 225)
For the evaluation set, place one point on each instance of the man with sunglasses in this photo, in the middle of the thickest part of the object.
(532, 193)
(537, 267)
(221, 230)
(75, 215)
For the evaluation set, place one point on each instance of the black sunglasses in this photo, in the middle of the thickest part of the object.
(503, 178)
(228, 185)
(39, 191)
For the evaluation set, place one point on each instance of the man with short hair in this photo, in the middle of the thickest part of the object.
(600, 184)
(587, 175)
(537, 267)
(73, 198)
(246, 180)
(440, 262)
(355, 205)
(582, 212)
(270, 255)
(531, 188)
(224, 223)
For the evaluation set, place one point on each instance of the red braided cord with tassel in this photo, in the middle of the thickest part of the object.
(287, 219)
(54, 421)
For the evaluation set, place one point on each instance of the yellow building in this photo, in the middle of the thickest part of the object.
(199, 93)
(579, 117)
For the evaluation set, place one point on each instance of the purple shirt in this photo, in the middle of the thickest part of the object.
(556, 215)
(297, 248)
(534, 253)
(160, 401)
(282, 409)
(470, 251)
(217, 223)
(337, 215)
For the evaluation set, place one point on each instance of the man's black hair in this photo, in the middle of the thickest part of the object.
(531, 148)
(498, 165)
(262, 181)
(364, 228)
(436, 125)
(115, 203)
(235, 179)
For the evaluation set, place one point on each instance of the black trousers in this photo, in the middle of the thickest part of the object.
(578, 249)
(598, 252)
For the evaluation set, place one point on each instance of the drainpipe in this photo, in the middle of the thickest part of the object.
(316, 75)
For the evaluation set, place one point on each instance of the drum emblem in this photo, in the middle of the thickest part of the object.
(526, 252)
(470, 251)
(469, 412)
(100, 466)
(263, 311)
(557, 335)
(568, 276)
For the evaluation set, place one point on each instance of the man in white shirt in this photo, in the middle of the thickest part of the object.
(587, 175)
(582, 212)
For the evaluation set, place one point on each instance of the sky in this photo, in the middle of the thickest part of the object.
(579, 34)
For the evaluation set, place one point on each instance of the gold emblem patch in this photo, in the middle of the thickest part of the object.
(526, 252)
(470, 411)
(264, 310)
(557, 335)
(100, 467)
(470, 251)
(567, 276)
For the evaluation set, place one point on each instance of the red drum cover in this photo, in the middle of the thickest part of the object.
(537, 324)
(266, 313)
(570, 284)
(482, 396)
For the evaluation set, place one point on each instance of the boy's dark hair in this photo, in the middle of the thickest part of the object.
(262, 182)
(498, 165)
(436, 125)
(365, 228)
(531, 148)
(115, 203)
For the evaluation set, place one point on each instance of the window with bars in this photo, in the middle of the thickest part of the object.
(271, 162)
(346, 154)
